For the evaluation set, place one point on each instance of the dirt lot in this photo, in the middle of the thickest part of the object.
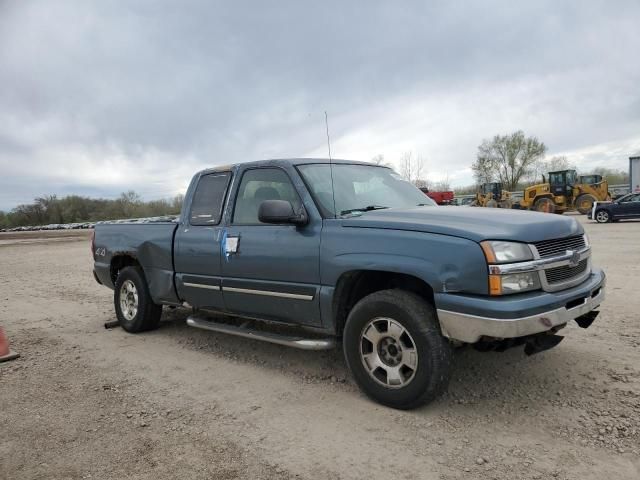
(84, 402)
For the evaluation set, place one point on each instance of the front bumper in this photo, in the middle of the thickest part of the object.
(468, 319)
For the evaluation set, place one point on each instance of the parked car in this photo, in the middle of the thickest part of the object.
(624, 208)
(350, 250)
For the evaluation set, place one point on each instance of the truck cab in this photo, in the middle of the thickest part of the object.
(561, 184)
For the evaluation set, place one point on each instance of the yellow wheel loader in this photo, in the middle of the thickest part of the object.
(492, 195)
(565, 191)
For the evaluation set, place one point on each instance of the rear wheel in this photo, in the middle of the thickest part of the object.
(584, 203)
(395, 349)
(545, 205)
(602, 216)
(135, 309)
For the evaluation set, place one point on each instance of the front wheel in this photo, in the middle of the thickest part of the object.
(135, 309)
(395, 349)
(584, 203)
(545, 205)
(602, 216)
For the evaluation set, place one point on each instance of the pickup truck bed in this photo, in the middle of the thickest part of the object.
(149, 244)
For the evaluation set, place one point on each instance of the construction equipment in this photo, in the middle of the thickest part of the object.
(566, 191)
(441, 198)
(492, 195)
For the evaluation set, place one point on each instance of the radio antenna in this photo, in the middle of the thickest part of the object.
(333, 190)
(326, 122)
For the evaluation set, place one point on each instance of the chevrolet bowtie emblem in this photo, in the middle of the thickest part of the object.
(575, 257)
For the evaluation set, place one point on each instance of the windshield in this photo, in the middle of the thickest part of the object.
(360, 188)
(556, 178)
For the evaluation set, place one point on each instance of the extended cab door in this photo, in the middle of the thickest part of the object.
(198, 242)
(271, 271)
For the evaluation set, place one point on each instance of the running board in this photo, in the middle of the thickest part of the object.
(271, 337)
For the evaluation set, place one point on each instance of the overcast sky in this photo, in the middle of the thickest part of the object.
(101, 97)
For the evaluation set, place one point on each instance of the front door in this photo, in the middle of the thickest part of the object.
(629, 207)
(270, 271)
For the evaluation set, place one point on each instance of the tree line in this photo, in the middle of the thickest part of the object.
(515, 160)
(77, 209)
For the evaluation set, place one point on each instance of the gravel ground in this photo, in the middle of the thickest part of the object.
(84, 402)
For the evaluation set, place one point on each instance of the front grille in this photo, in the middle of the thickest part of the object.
(565, 273)
(548, 248)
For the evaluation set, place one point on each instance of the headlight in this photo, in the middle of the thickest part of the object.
(498, 251)
(514, 283)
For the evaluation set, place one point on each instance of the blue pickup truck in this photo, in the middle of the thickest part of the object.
(306, 252)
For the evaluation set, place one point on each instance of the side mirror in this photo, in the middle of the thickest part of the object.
(281, 211)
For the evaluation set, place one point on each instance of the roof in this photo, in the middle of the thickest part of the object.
(562, 171)
(279, 162)
(635, 155)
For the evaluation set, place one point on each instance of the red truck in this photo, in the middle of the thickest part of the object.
(441, 198)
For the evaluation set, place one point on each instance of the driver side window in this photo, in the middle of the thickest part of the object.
(258, 185)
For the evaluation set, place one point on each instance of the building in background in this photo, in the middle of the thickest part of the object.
(634, 173)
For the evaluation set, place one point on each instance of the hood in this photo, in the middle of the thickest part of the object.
(472, 223)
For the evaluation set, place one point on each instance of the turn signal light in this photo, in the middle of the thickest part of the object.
(495, 285)
(488, 252)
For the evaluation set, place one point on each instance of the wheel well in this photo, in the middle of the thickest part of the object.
(119, 262)
(355, 285)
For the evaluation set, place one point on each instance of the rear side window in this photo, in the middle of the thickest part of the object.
(206, 208)
(259, 185)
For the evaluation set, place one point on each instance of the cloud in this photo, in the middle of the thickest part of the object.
(101, 97)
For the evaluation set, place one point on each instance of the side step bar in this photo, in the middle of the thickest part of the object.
(271, 337)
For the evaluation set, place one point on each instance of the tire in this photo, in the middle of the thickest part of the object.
(508, 203)
(492, 204)
(602, 216)
(430, 358)
(584, 203)
(135, 309)
(544, 204)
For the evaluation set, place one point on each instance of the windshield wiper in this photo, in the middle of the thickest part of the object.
(368, 208)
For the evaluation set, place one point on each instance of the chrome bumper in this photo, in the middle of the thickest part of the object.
(470, 328)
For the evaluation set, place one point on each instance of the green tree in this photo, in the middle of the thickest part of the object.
(508, 158)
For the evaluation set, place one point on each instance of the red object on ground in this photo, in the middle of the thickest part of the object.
(5, 353)
(441, 198)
